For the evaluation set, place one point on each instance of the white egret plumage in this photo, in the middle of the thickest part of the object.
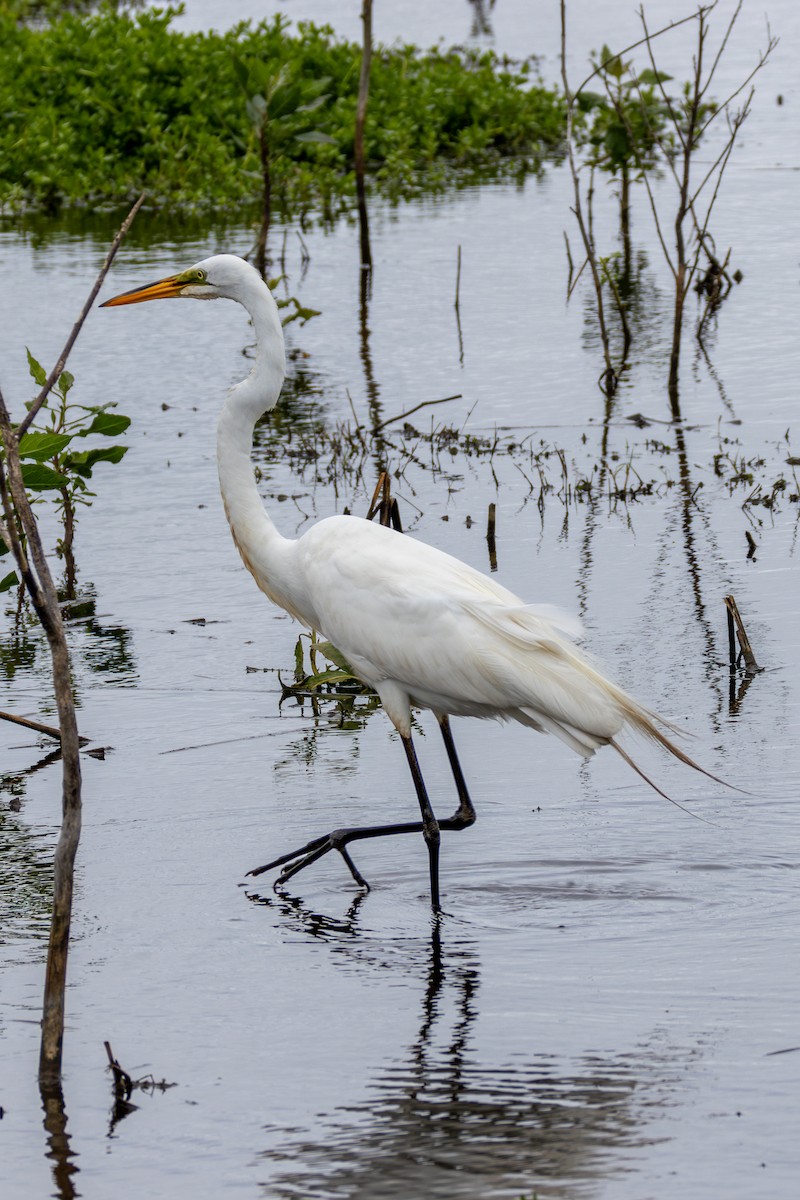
(419, 626)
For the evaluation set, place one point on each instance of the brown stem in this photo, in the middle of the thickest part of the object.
(625, 223)
(50, 730)
(67, 544)
(681, 281)
(610, 378)
(266, 203)
(45, 601)
(358, 142)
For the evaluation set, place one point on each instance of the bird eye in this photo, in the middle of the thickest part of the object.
(201, 276)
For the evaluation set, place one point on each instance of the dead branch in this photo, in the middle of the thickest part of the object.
(26, 545)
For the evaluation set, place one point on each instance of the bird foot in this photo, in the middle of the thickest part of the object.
(297, 860)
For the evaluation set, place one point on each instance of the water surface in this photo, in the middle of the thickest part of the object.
(608, 1009)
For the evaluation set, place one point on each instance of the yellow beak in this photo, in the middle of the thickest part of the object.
(165, 289)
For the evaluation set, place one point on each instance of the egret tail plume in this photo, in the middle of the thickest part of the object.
(644, 722)
(635, 766)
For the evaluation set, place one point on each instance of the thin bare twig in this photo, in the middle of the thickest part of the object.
(634, 45)
(61, 362)
(721, 50)
(763, 55)
(416, 408)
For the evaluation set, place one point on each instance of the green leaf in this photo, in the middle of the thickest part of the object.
(300, 313)
(588, 100)
(41, 446)
(84, 462)
(317, 102)
(649, 77)
(65, 381)
(335, 656)
(241, 72)
(107, 425)
(618, 144)
(312, 682)
(40, 478)
(37, 371)
(8, 582)
(316, 136)
(257, 110)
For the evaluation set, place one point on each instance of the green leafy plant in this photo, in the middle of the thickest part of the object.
(97, 108)
(626, 131)
(51, 461)
(639, 125)
(328, 676)
(299, 312)
(279, 105)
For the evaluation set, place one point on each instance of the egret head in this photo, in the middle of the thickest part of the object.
(223, 276)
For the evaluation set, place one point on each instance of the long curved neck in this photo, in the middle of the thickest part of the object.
(265, 553)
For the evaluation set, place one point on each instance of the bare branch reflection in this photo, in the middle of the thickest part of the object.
(59, 1150)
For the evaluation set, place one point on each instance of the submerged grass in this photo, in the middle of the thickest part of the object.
(342, 455)
(97, 108)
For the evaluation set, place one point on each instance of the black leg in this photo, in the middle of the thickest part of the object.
(464, 816)
(430, 826)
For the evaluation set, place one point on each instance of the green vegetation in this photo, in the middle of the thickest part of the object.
(329, 677)
(99, 107)
(626, 132)
(51, 464)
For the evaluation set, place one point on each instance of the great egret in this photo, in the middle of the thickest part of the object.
(422, 628)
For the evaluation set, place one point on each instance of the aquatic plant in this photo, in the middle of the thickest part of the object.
(641, 125)
(625, 132)
(51, 463)
(101, 106)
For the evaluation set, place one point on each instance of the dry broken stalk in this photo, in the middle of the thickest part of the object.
(21, 532)
(736, 630)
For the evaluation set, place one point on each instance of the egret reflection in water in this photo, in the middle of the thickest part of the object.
(441, 1121)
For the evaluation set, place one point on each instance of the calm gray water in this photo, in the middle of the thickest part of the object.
(609, 1010)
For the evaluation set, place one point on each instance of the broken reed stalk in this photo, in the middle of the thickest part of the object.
(385, 504)
(21, 533)
(491, 526)
(123, 1084)
(736, 630)
(409, 411)
(358, 141)
(457, 303)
